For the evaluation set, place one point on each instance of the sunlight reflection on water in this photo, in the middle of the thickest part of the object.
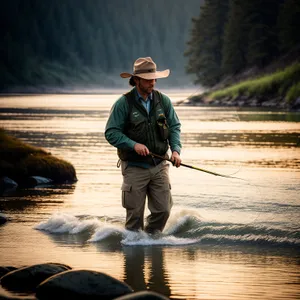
(241, 225)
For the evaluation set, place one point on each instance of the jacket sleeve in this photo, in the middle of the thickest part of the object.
(174, 124)
(114, 129)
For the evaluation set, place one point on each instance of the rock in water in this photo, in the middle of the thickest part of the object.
(28, 278)
(143, 295)
(5, 270)
(38, 180)
(82, 284)
(3, 219)
(7, 184)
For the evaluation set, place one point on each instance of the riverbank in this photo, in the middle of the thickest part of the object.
(280, 89)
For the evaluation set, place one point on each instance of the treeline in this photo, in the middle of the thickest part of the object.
(231, 36)
(75, 42)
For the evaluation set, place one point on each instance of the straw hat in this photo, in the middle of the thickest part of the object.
(145, 68)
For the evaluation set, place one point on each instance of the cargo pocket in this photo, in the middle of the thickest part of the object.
(127, 201)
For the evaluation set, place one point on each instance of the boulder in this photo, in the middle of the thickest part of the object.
(6, 269)
(7, 184)
(13, 297)
(143, 295)
(3, 219)
(296, 104)
(28, 278)
(82, 284)
(38, 180)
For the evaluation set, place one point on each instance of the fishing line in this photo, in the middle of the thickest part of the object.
(236, 118)
(250, 183)
(242, 143)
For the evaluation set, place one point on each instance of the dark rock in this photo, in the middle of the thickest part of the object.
(296, 104)
(82, 284)
(7, 184)
(3, 219)
(4, 297)
(143, 295)
(5, 270)
(269, 103)
(253, 102)
(38, 180)
(28, 278)
(12, 297)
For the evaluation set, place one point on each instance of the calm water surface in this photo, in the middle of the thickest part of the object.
(225, 239)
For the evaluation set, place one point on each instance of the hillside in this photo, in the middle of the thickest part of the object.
(86, 44)
(277, 85)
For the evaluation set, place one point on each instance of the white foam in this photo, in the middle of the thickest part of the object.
(105, 230)
(180, 219)
(252, 238)
(65, 223)
(143, 239)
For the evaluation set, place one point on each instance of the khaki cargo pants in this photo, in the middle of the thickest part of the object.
(153, 183)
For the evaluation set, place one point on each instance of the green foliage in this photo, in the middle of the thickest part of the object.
(253, 34)
(293, 93)
(206, 42)
(285, 82)
(74, 42)
(19, 160)
(289, 24)
(262, 40)
(235, 38)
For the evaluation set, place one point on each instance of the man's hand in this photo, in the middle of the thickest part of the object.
(141, 149)
(176, 159)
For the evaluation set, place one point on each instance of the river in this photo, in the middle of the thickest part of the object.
(226, 238)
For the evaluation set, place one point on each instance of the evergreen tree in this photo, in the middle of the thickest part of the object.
(205, 45)
(262, 39)
(235, 38)
(75, 41)
(288, 25)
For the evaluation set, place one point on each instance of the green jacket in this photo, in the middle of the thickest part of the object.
(116, 130)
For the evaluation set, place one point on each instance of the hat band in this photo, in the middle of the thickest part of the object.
(145, 71)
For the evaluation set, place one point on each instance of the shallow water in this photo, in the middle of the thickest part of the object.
(226, 238)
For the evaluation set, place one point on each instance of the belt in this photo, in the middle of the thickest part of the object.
(156, 161)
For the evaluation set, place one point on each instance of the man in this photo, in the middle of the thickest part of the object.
(140, 123)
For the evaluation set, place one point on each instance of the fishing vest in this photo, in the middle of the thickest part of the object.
(150, 129)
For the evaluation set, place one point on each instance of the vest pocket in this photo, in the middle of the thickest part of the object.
(163, 127)
(138, 131)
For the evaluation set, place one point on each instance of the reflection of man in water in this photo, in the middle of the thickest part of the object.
(137, 260)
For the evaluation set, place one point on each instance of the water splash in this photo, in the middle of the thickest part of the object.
(184, 228)
(65, 223)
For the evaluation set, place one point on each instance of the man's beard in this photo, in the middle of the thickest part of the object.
(147, 91)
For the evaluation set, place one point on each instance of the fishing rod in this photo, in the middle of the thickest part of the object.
(195, 168)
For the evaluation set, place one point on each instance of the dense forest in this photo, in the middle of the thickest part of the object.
(71, 43)
(86, 44)
(231, 36)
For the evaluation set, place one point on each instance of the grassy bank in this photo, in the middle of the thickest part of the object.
(19, 161)
(283, 83)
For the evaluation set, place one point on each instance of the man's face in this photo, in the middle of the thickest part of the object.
(145, 86)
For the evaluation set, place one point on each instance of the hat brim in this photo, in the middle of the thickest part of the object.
(148, 76)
